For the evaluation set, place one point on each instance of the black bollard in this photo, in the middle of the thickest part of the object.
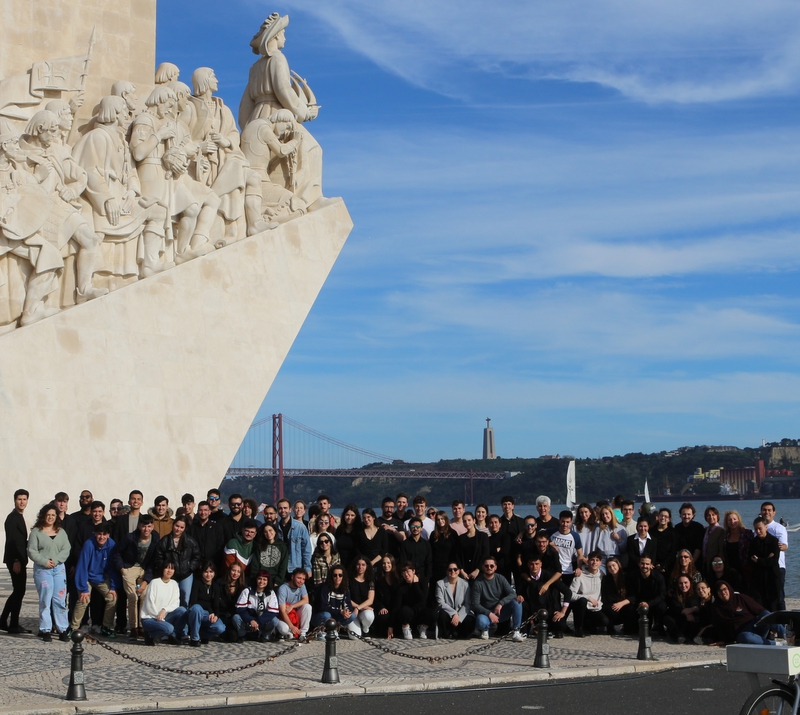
(542, 659)
(76, 690)
(330, 673)
(645, 641)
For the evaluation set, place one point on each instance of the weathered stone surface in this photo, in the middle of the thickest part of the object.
(154, 386)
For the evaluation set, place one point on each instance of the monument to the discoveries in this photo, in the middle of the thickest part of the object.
(155, 264)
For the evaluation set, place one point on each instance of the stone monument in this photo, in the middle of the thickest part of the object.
(488, 441)
(155, 265)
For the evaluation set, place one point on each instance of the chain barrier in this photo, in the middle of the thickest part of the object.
(433, 660)
(207, 673)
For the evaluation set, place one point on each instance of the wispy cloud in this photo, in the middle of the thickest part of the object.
(681, 51)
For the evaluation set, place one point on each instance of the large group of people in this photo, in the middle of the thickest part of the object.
(266, 572)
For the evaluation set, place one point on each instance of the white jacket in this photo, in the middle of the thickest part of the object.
(587, 586)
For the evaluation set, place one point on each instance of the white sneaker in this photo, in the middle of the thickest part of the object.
(485, 635)
(517, 637)
(423, 632)
(365, 632)
(407, 634)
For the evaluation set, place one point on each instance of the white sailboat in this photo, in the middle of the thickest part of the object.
(572, 499)
(646, 493)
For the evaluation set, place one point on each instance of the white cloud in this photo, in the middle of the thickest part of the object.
(681, 51)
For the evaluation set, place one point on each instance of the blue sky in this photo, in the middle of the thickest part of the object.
(579, 219)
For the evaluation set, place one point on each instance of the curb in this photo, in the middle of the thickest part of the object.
(552, 676)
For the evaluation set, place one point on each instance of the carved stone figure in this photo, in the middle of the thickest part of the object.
(273, 86)
(126, 90)
(64, 180)
(271, 146)
(112, 196)
(29, 263)
(167, 73)
(162, 148)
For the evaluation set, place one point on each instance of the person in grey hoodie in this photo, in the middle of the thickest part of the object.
(587, 607)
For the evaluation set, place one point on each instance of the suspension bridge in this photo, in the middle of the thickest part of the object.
(296, 450)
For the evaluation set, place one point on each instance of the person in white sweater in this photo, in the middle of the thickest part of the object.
(585, 597)
(162, 613)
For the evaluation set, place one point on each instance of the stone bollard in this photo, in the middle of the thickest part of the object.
(330, 673)
(542, 659)
(76, 690)
(645, 641)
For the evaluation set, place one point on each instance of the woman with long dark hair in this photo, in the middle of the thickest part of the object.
(347, 533)
(270, 554)
(614, 597)
(362, 593)
(371, 541)
(323, 559)
(444, 548)
(385, 585)
(231, 585)
(49, 549)
(334, 601)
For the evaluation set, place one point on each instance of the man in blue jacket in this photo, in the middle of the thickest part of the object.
(295, 536)
(94, 570)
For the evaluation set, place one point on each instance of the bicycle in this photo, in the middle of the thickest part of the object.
(779, 697)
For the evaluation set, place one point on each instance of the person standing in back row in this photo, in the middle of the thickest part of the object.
(15, 558)
(779, 532)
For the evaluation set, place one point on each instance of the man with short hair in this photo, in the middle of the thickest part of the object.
(646, 587)
(94, 572)
(128, 523)
(208, 535)
(115, 509)
(84, 514)
(545, 591)
(511, 524)
(214, 499)
(494, 601)
(98, 513)
(162, 516)
(570, 548)
(428, 525)
(233, 523)
(295, 535)
(689, 534)
(628, 521)
(187, 502)
(778, 530)
(240, 548)
(293, 599)
(391, 525)
(417, 551)
(639, 545)
(324, 504)
(133, 559)
(457, 523)
(401, 510)
(15, 557)
(545, 520)
(585, 598)
(270, 515)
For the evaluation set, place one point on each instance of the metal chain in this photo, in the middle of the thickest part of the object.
(184, 671)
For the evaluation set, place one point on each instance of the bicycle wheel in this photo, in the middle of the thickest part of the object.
(772, 700)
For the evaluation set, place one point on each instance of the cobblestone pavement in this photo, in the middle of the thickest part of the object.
(36, 674)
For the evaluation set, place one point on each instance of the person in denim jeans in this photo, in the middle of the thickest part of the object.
(162, 613)
(49, 548)
(494, 601)
(333, 601)
(205, 607)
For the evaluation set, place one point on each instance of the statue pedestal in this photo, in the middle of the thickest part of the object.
(154, 387)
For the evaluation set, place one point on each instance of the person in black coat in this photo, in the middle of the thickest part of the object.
(500, 546)
(666, 541)
(550, 600)
(182, 550)
(765, 571)
(473, 547)
(209, 535)
(639, 544)
(689, 533)
(647, 586)
(15, 557)
(205, 615)
(410, 604)
(417, 551)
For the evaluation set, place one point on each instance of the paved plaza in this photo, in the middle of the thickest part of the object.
(35, 675)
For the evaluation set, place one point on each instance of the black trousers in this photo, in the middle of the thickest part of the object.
(584, 617)
(14, 602)
(415, 616)
(462, 630)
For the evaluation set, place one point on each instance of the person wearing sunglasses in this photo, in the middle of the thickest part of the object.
(334, 601)
(453, 598)
(494, 601)
(214, 499)
(417, 550)
(323, 559)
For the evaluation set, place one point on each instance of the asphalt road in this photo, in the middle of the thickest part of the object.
(690, 691)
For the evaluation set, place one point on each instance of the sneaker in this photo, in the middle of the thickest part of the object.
(423, 632)
(517, 637)
(485, 635)
(320, 636)
(407, 634)
(45, 636)
(365, 632)
(107, 632)
(173, 640)
(196, 644)
(65, 636)
(697, 640)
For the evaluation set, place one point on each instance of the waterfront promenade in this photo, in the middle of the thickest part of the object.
(34, 675)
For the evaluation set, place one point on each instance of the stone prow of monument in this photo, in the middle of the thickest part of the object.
(155, 264)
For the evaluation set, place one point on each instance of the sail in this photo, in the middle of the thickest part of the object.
(646, 493)
(572, 499)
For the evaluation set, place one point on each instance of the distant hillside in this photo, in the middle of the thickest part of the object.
(596, 478)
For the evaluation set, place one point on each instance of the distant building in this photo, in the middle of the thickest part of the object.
(489, 451)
